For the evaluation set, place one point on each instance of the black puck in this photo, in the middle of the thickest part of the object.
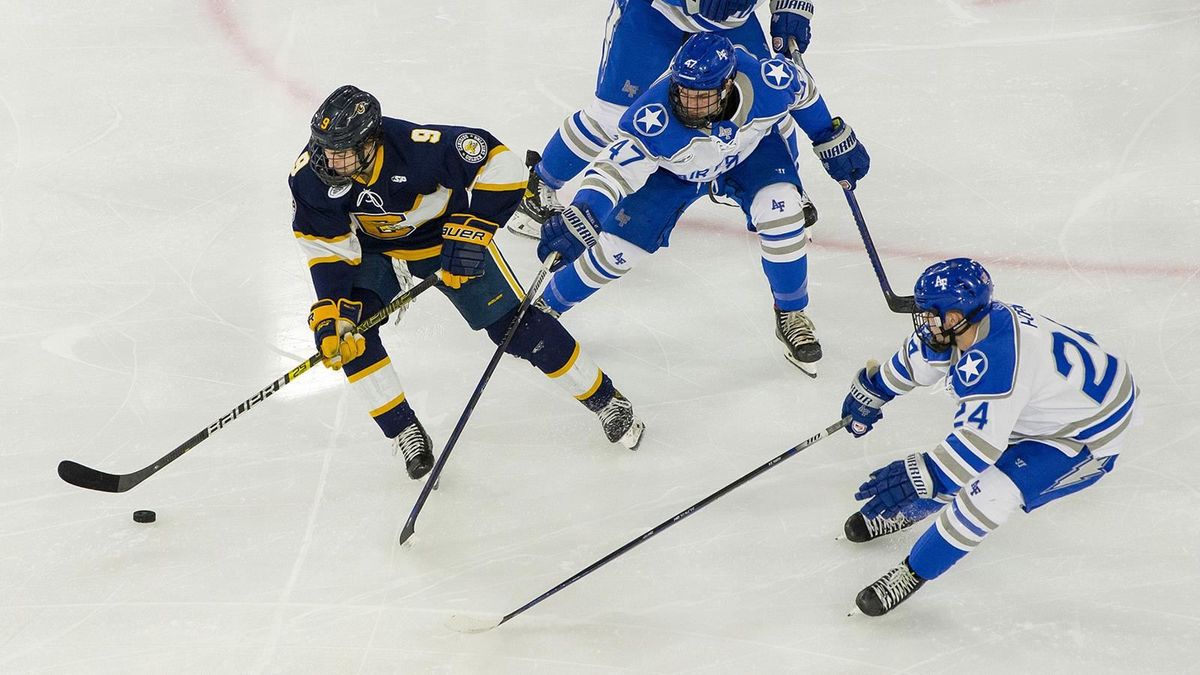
(144, 516)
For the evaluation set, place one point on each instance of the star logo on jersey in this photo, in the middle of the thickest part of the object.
(971, 367)
(776, 74)
(651, 119)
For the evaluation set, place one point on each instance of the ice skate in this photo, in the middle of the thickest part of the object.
(795, 330)
(621, 425)
(890, 590)
(416, 448)
(859, 528)
(537, 205)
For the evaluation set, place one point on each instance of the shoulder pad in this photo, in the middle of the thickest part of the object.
(989, 368)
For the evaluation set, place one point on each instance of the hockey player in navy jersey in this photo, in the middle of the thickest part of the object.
(640, 39)
(1042, 413)
(376, 199)
(723, 121)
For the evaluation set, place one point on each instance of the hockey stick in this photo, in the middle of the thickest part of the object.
(469, 624)
(901, 304)
(431, 482)
(94, 479)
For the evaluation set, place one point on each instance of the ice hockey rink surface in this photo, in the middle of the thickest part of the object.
(149, 282)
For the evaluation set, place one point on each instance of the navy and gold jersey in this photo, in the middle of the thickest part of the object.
(420, 176)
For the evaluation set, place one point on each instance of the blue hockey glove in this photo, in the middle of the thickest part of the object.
(790, 26)
(569, 233)
(844, 158)
(897, 485)
(718, 10)
(864, 402)
(465, 239)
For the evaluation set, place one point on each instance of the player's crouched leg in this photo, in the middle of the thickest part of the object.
(542, 340)
(374, 380)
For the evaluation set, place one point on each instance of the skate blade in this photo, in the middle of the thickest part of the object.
(464, 623)
(633, 438)
(809, 369)
(523, 225)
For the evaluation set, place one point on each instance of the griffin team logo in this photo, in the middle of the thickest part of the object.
(777, 74)
(650, 119)
(971, 367)
(471, 147)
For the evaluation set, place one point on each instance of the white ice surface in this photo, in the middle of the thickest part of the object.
(149, 282)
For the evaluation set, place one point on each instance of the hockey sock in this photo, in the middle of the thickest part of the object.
(789, 283)
(981, 506)
(542, 340)
(777, 213)
(376, 382)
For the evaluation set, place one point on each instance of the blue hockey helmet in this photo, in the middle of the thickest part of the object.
(700, 74)
(956, 285)
(349, 119)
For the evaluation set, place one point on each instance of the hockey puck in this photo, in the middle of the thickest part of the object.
(144, 517)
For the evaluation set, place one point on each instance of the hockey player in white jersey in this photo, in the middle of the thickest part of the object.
(1042, 413)
(722, 121)
(640, 38)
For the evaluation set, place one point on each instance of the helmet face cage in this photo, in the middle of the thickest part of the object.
(956, 285)
(701, 107)
(349, 119)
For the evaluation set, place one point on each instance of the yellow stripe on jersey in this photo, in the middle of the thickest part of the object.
(382, 363)
(376, 168)
(313, 262)
(328, 240)
(417, 253)
(508, 275)
(501, 187)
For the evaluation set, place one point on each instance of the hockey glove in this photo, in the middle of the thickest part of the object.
(898, 485)
(718, 10)
(865, 400)
(569, 233)
(844, 158)
(790, 26)
(333, 327)
(465, 239)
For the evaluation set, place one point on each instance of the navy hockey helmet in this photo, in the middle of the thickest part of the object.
(956, 285)
(700, 75)
(348, 119)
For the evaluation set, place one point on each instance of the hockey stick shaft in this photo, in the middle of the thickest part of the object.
(94, 479)
(657, 529)
(431, 481)
(901, 304)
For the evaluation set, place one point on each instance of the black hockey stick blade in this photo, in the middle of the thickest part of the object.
(101, 481)
(87, 477)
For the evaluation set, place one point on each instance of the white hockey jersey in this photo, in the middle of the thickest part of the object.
(651, 138)
(1026, 377)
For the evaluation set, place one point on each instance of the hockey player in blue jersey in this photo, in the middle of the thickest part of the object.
(1042, 413)
(723, 121)
(640, 39)
(377, 199)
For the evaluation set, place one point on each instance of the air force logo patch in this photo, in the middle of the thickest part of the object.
(650, 119)
(777, 74)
